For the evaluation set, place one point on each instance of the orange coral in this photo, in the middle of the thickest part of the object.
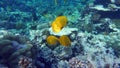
(59, 23)
(64, 40)
(52, 40)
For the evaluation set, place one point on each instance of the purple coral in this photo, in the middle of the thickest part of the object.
(77, 63)
(26, 62)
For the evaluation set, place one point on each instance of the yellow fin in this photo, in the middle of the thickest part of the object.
(52, 40)
(59, 23)
(64, 40)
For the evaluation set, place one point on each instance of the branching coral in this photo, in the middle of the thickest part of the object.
(76, 62)
(26, 62)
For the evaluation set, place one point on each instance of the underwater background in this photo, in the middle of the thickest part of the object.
(59, 33)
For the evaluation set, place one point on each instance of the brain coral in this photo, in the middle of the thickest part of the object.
(64, 40)
(59, 23)
(52, 40)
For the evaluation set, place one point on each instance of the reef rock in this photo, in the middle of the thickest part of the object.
(64, 31)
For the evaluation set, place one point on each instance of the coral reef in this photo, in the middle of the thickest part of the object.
(25, 62)
(76, 62)
(71, 34)
(12, 47)
(64, 31)
(92, 47)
